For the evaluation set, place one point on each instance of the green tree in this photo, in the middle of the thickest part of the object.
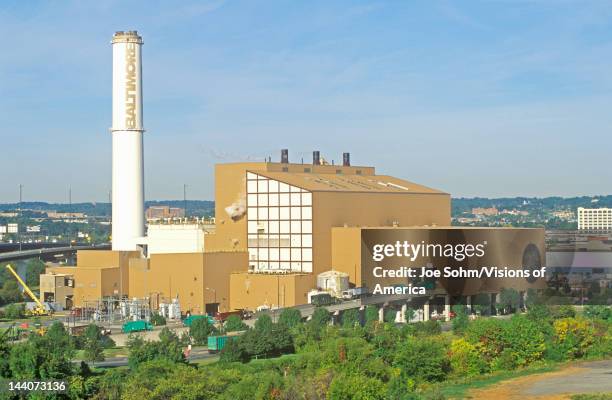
(233, 324)
(509, 300)
(168, 348)
(200, 330)
(10, 292)
(320, 317)
(371, 314)
(481, 303)
(93, 343)
(233, 352)
(290, 317)
(34, 268)
(44, 357)
(461, 320)
(390, 315)
(350, 318)
(409, 314)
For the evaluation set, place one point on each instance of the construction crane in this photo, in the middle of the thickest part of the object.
(40, 308)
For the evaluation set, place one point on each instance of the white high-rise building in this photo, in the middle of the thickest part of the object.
(595, 219)
(127, 131)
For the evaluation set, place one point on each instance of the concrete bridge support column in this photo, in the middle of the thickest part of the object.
(403, 315)
(381, 314)
(447, 307)
(426, 311)
(468, 303)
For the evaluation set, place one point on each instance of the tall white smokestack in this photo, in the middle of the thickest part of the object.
(127, 130)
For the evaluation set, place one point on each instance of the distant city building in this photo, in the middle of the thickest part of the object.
(62, 215)
(2, 228)
(8, 214)
(33, 228)
(492, 211)
(13, 228)
(564, 214)
(515, 212)
(164, 212)
(595, 219)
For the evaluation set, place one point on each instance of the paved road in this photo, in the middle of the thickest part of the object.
(591, 377)
(196, 354)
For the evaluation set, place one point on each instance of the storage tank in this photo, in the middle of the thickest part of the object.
(334, 282)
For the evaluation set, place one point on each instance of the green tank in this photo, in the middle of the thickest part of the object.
(136, 326)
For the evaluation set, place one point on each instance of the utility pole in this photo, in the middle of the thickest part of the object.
(185, 199)
(20, 214)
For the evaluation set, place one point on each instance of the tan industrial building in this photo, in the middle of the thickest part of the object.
(278, 225)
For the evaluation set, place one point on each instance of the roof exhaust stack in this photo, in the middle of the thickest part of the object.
(316, 157)
(285, 156)
(346, 159)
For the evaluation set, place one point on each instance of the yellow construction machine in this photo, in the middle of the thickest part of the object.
(40, 309)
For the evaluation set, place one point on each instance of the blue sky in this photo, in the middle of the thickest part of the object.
(496, 98)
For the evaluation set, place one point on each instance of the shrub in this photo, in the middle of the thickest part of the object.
(573, 336)
(430, 327)
(158, 320)
(14, 311)
(489, 332)
(466, 358)
(423, 359)
(524, 339)
(539, 313)
(356, 387)
(565, 311)
(598, 312)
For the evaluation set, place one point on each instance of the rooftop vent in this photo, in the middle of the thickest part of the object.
(285, 156)
(346, 159)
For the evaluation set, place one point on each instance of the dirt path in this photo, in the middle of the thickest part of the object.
(589, 377)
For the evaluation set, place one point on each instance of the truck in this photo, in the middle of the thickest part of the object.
(354, 293)
(217, 343)
(222, 316)
(136, 326)
(189, 320)
(322, 299)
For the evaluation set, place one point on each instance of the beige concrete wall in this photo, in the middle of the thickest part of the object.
(346, 252)
(138, 277)
(92, 283)
(55, 284)
(109, 258)
(248, 291)
(60, 270)
(217, 269)
(336, 209)
(230, 187)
